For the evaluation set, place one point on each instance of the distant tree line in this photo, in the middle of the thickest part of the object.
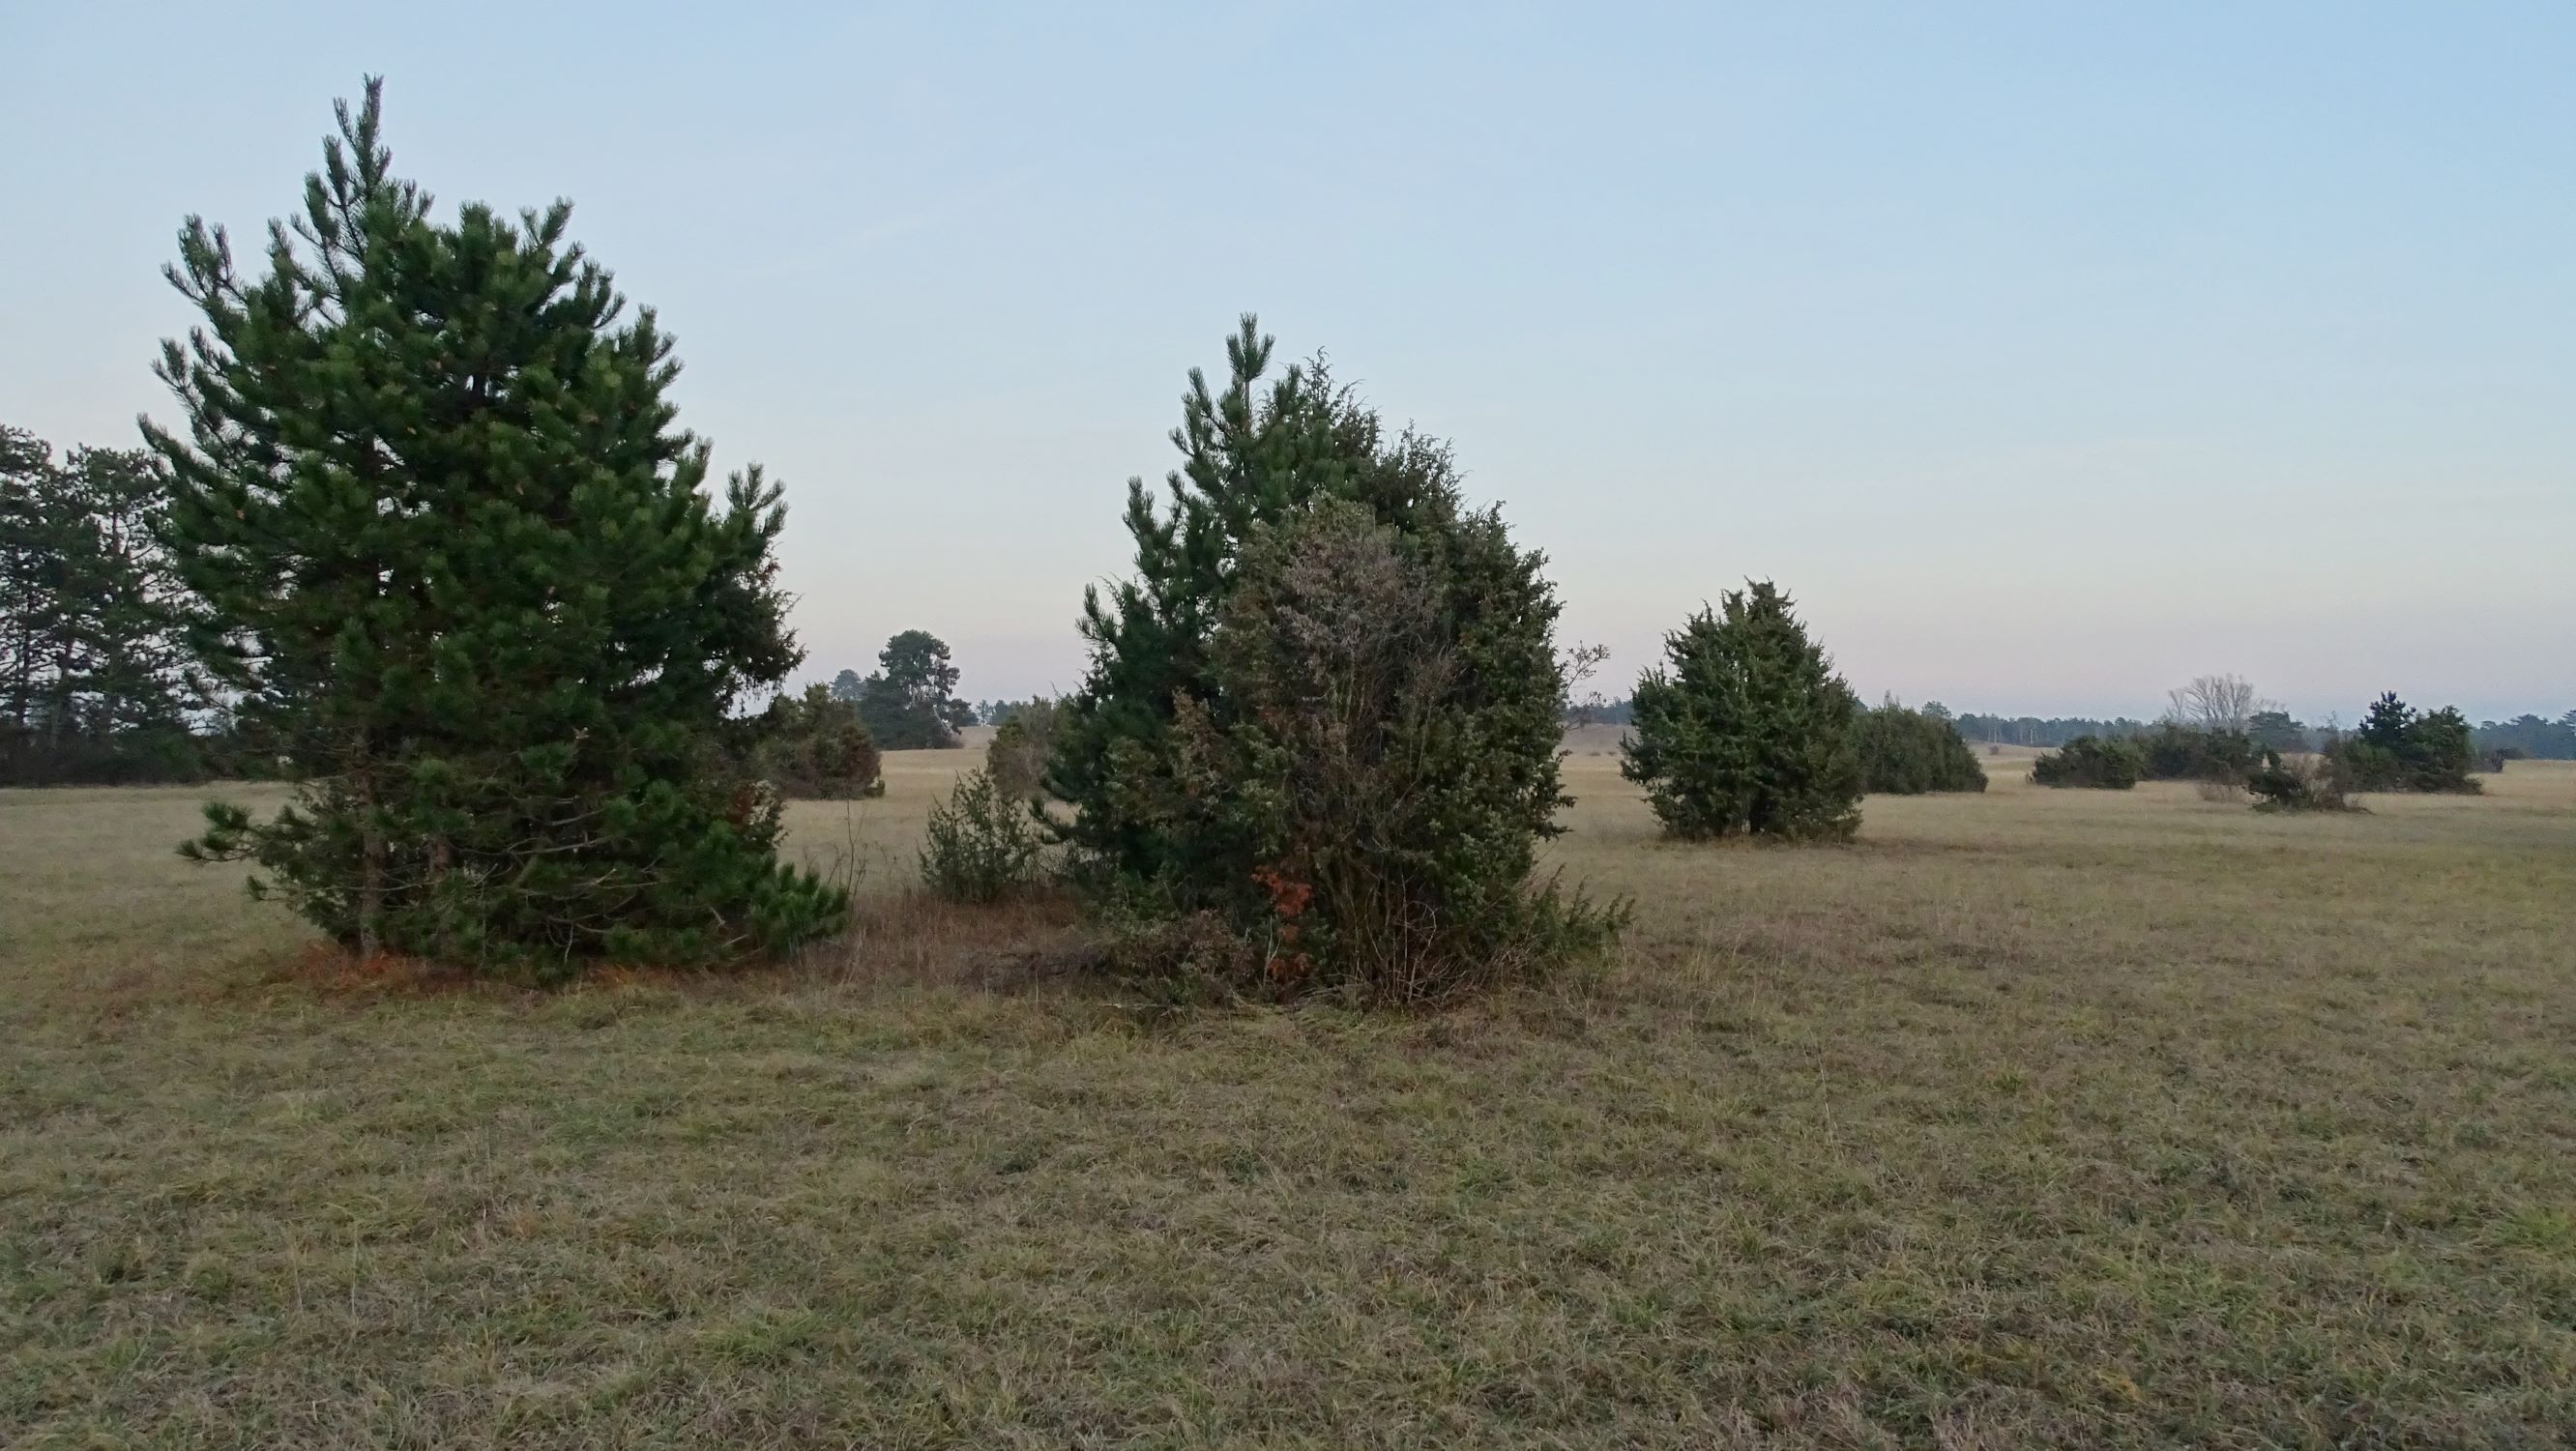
(2530, 738)
(2525, 737)
(95, 680)
(2032, 730)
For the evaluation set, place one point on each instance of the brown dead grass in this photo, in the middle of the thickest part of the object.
(2028, 1118)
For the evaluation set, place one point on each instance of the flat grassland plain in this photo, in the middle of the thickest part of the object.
(2068, 1117)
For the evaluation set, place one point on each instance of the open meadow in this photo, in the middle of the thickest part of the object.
(2063, 1117)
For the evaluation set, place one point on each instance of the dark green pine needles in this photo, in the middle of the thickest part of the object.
(1748, 728)
(455, 567)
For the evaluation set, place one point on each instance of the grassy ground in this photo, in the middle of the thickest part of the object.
(2032, 1117)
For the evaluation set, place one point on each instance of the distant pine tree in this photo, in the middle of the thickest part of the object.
(2398, 749)
(1747, 728)
(454, 562)
(910, 703)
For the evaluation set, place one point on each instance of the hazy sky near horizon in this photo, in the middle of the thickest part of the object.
(2048, 354)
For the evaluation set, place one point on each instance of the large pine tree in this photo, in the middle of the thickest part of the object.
(456, 565)
(1749, 729)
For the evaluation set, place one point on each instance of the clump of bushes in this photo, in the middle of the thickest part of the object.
(2399, 749)
(1909, 752)
(2173, 751)
(2094, 762)
(1322, 719)
(2300, 783)
(1747, 728)
(982, 843)
(812, 747)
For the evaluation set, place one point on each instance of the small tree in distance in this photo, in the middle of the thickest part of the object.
(982, 843)
(2221, 704)
(1578, 665)
(910, 703)
(1747, 728)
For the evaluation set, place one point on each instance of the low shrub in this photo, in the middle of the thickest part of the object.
(983, 843)
(2091, 762)
(1907, 753)
(2299, 783)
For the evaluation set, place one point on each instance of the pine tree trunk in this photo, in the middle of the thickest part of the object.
(371, 859)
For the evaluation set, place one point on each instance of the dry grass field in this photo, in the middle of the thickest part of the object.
(2062, 1118)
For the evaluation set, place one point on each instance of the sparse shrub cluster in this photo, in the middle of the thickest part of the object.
(2091, 762)
(436, 546)
(1909, 752)
(1324, 712)
(1747, 728)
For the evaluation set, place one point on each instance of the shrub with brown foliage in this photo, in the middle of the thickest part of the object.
(1388, 708)
(1324, 712)
(2301, 783)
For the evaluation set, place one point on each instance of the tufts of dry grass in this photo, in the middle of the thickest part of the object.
(2028, 1118)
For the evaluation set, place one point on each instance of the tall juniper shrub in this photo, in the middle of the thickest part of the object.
(1322, 717)
(1746, 727)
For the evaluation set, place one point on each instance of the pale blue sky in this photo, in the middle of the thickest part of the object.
(2049, 354)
